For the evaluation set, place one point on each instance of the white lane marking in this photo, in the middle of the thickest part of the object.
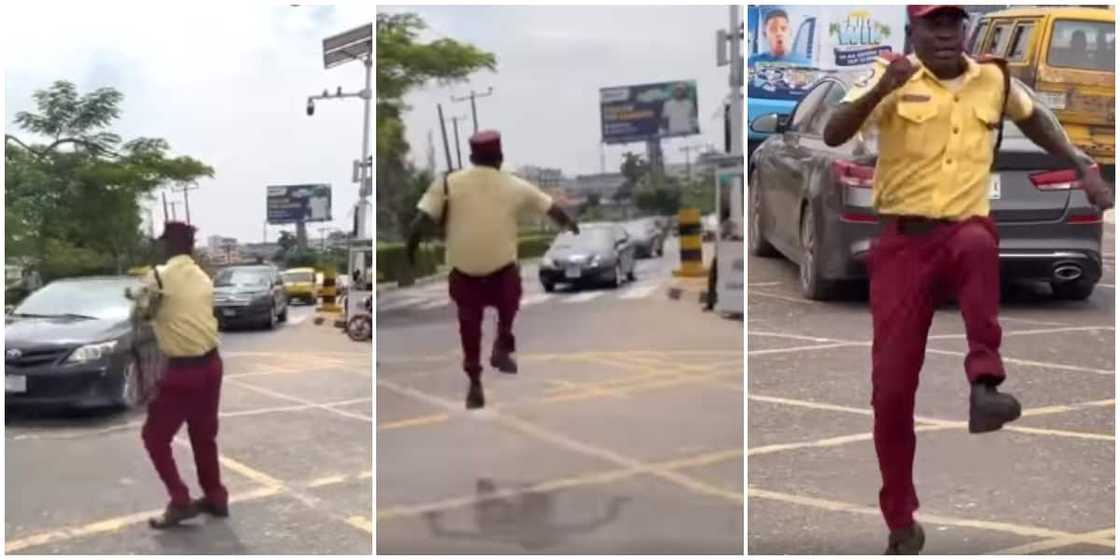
(437, 302)
(761, 284)
(639, 291)
(535, 299)
(300, 318)
(584, 297)
(402, 302)
(1109, 286)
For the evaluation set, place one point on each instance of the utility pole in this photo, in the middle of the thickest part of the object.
(186, 199)
(455, 127)
(688, 158)
(443, 131)
(173, 204)
(165, 220)
(474, 108)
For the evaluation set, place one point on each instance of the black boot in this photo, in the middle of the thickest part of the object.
(989, 409)
(907, 541)
(475, 398)
(503, 362)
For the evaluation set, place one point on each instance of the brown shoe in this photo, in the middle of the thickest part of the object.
(475, 398)
(907, 541)
(207, 507)
(173, 515)
(503, 362)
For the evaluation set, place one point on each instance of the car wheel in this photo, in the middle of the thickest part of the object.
(284, 315)
(813, 286)
(631, 276)
(129, 395)
(1078, 290)
(759, 246)
(617, 280)
(549, 288)
(271, 324)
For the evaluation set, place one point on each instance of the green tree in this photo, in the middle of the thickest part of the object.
(73, 203)
(634, 168)
(404, 63)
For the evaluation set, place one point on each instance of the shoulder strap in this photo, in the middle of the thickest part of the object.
(446, 204)
(159, 281)
(1002, 65)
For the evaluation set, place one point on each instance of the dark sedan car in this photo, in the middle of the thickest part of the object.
(648, 238)
(812, 203)
(250, 295)
(600, 254)
(71, 343)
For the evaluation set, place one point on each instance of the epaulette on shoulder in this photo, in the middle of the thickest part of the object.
(991, 59)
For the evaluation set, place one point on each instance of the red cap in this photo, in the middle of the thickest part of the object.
(178, 231)
(486, 143)
(922, 11)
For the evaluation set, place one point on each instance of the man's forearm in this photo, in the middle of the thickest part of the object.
(1044, 129)
(420, 225)
(849, 118)
(561, 217)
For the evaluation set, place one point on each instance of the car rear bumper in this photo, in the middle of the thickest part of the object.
(1027, 251)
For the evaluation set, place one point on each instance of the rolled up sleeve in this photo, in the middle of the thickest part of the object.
(432, 202)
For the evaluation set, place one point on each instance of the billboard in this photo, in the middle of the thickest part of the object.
(789, 47)
(648, 111)
(294, 203)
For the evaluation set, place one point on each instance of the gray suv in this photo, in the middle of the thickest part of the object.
(250, 295)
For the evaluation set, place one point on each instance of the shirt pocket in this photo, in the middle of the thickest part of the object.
(979, 139)
(918, 119)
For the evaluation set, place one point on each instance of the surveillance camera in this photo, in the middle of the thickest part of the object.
(310, 107)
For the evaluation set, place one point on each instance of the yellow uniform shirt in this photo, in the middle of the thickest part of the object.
(185, 325)
(481, 235)
(936, 137)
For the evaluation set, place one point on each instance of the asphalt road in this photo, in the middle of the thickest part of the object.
(621, 434)
(296, 455)
(1044, 484)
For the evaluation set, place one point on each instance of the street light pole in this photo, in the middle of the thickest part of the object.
(474, 107)
(186, 199)
(458, 150)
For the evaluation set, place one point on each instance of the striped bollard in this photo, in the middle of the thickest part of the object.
(692, 246)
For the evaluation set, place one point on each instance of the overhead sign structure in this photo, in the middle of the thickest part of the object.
(648, 112)
(354, 44)
(288, 204)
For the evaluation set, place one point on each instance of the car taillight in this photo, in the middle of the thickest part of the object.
(851, 174)
(1061, 180)
(1085, 219)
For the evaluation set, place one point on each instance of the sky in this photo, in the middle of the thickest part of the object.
(224, 83)
(551, 63)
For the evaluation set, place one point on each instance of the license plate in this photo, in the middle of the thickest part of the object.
(15, 384)
(573, 272)
(229, 313)
(994, 188)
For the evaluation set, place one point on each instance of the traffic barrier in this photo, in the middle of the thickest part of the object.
(330, 291)
(692, 246)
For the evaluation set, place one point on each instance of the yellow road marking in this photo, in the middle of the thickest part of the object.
(1097, 538)
(115, 524)
(601, 477)
(413, 422)
(361, 522)
(832, 505)
(306, 402)
(571, 444)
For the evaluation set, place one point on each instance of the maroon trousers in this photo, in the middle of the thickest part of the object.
(188, 393)
(472, 295)
(911, 274)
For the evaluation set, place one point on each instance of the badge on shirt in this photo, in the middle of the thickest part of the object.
(915, 98)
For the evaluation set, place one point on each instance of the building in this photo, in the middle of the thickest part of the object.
(264, 251)
(544, 177)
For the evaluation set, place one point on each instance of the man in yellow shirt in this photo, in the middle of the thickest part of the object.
(479, 209)
(187, 333)
(935, 114)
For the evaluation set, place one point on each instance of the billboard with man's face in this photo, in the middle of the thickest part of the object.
(648, 111)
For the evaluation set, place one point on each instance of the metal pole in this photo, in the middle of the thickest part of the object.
(367, 172)
(164, 193)
(173, 204)
(443, 131)
(474, 106)
(458, 151)
(474, 112)
(736, 81)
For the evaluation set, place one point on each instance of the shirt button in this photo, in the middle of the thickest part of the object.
(949, 162)
(956, 99)
(956, 130)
